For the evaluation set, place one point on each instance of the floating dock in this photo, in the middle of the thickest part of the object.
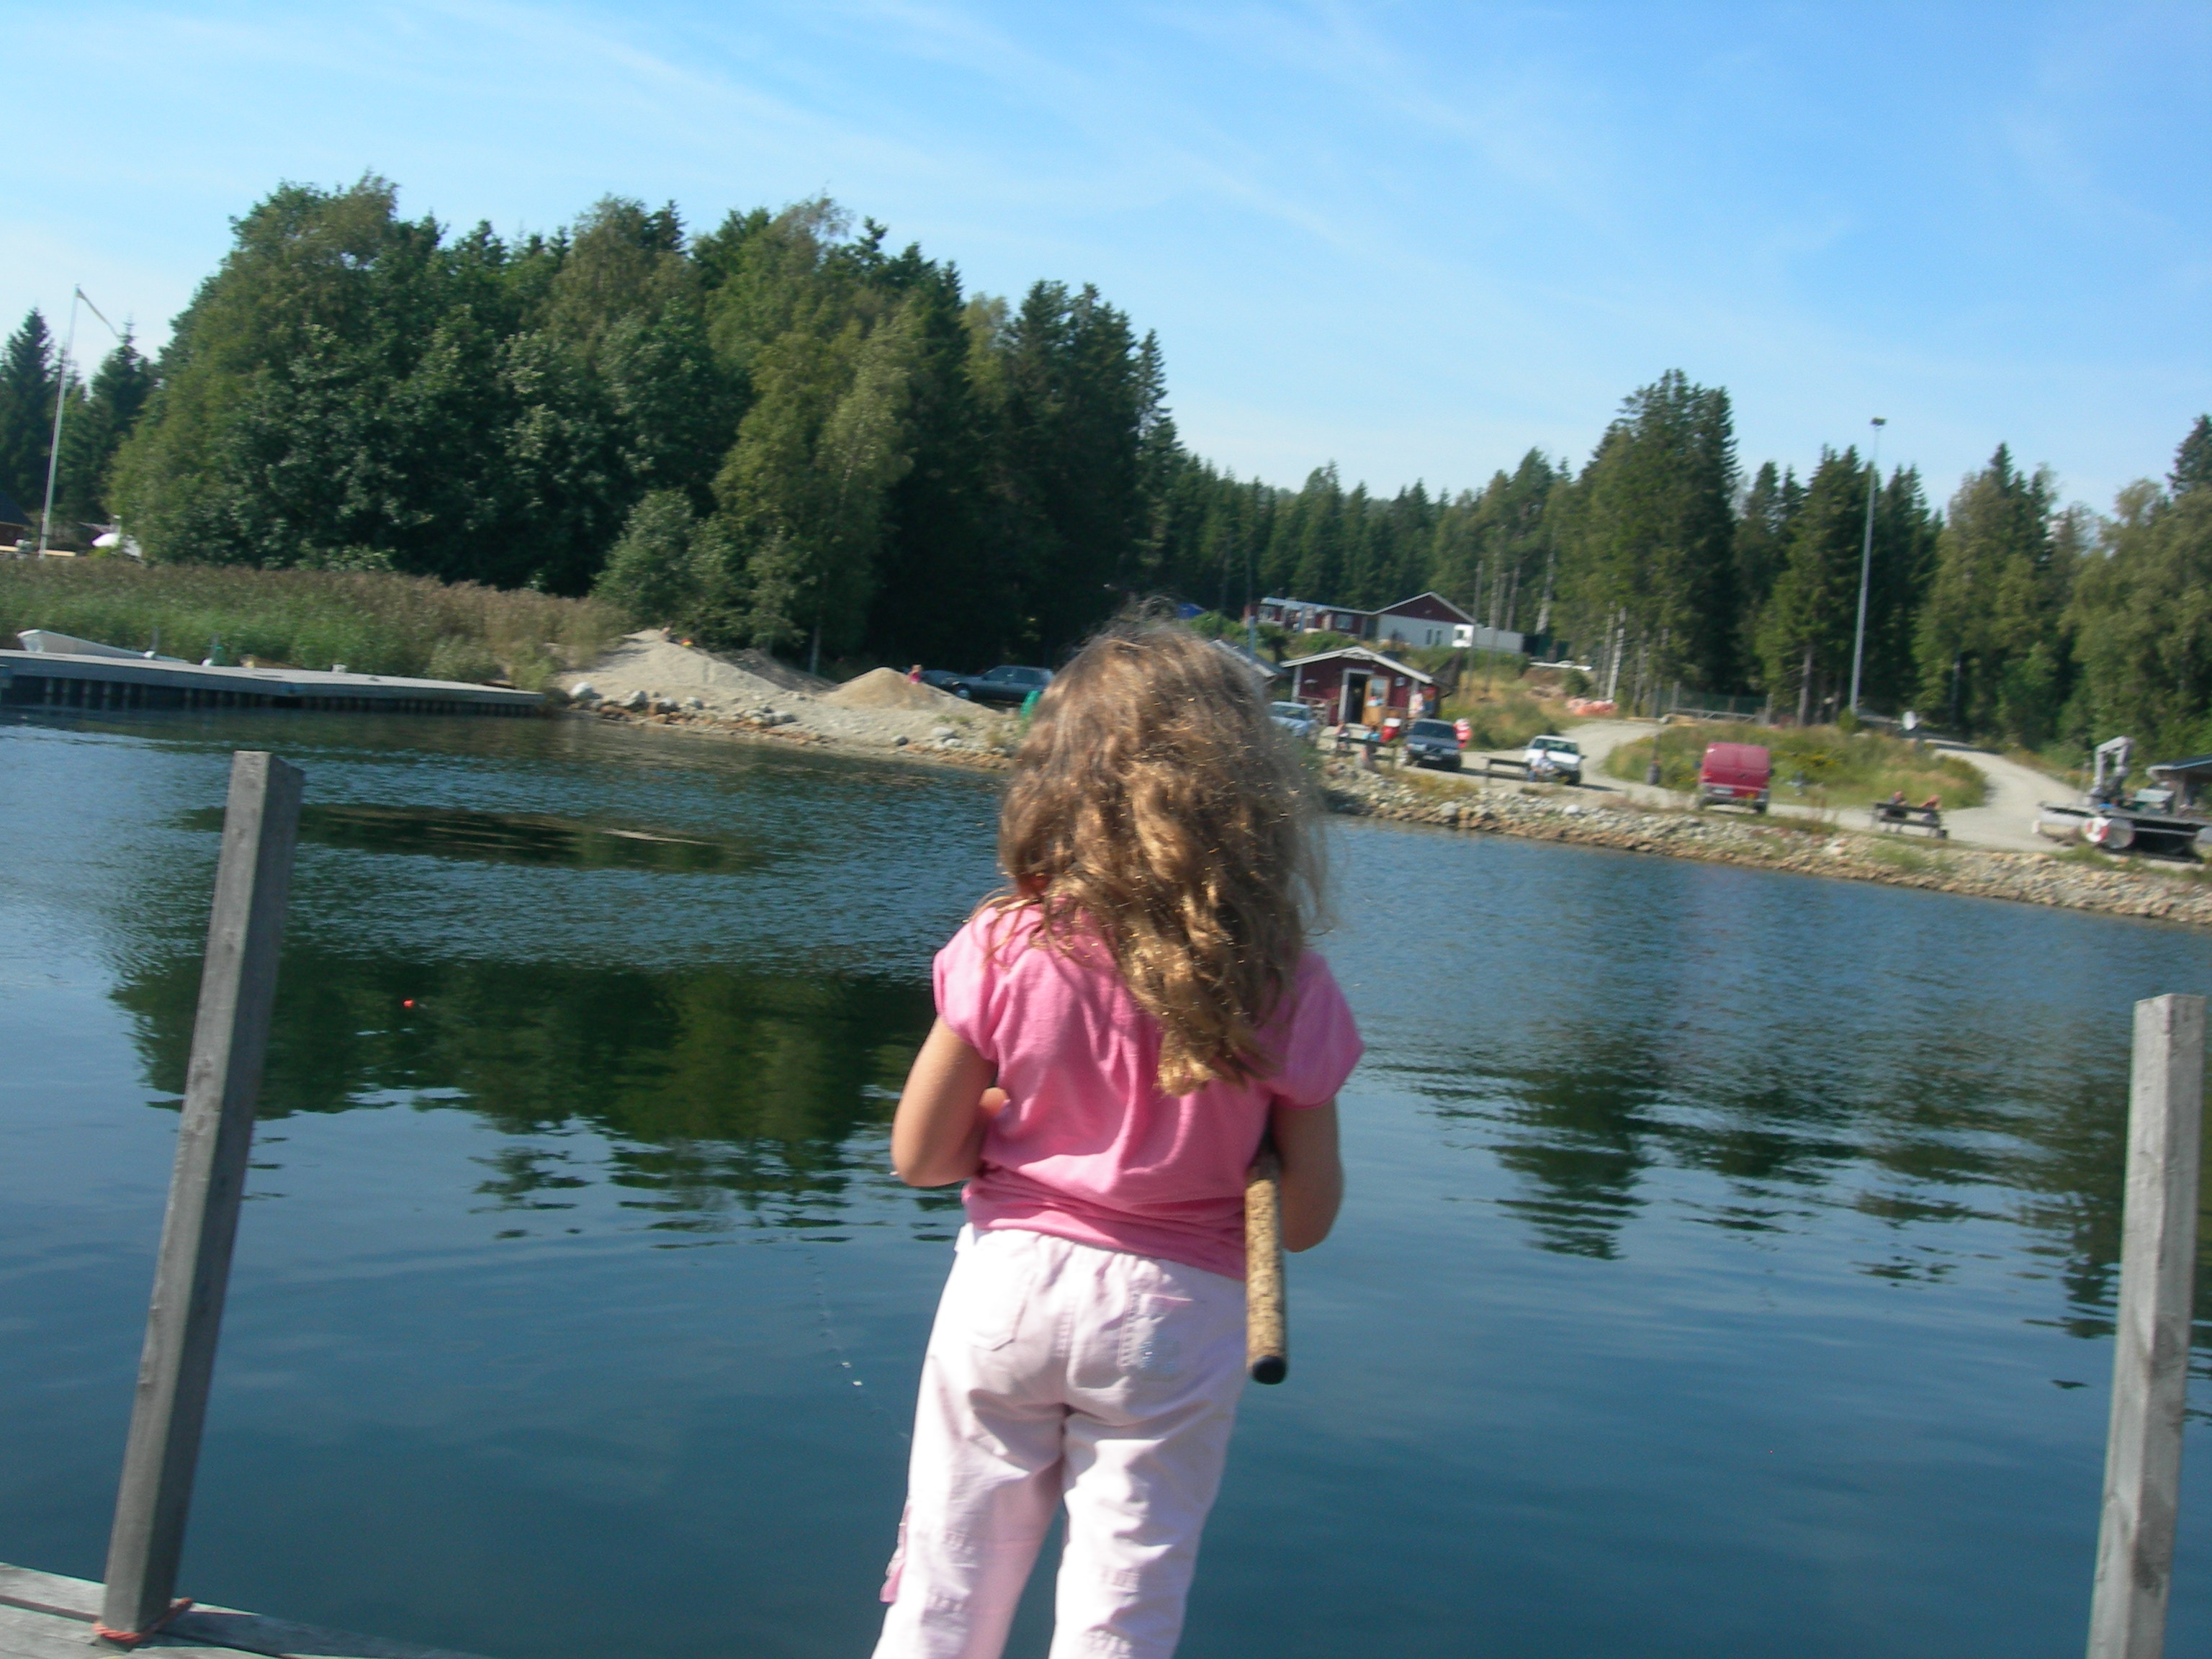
(45, 1616)
(48, 679)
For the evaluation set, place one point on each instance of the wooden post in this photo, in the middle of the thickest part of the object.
(2150, 1361)
(1266, 1340)
(238, 984)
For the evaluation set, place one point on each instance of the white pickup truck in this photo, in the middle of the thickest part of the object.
(1559, 758)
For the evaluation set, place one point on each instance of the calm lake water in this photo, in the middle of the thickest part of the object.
(1727, 1268)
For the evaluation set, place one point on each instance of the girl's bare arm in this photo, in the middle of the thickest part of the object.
(936, 1135)
(1313, 1173)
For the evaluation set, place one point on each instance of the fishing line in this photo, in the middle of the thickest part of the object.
(827, 1326)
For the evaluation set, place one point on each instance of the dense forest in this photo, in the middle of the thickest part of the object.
(780, 433)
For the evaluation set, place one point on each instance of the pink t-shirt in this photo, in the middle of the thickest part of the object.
(1087, 1148)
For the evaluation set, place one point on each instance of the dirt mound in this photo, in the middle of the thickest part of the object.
(886, 688)
(649, 661)
(759, 663)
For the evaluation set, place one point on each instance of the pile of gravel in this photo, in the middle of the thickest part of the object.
(886, 688)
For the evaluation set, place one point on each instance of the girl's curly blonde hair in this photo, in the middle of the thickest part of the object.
(1157, 808)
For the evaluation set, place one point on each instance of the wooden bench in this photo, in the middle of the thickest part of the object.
(1888, 815)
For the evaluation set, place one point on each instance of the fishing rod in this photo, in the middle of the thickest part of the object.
(1266, 1337)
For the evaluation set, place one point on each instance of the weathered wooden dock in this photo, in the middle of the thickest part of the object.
(45, 1616)
(46, 679)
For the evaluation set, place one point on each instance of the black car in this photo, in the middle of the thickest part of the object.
(1005, 683)
(1433, 743)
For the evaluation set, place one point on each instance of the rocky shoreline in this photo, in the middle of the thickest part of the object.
(963, 743)
(1552, 813)
(1542, 813)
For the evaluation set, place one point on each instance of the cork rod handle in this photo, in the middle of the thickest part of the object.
(1266, 1341)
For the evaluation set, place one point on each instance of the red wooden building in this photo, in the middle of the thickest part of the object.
(1359, 687)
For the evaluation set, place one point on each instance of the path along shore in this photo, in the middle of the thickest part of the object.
(1548, 813)
(1609, 818)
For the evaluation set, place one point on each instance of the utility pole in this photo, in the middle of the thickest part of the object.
(1251, 606)
(1866, 558)
(54, 447)
(61, 400)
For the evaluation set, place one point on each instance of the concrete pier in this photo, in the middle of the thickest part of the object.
(44, 679)
(44, 1615)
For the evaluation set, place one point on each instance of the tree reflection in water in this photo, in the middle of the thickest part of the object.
(1913, 1141)
(724, 1097)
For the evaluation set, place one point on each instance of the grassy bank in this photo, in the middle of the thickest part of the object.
(373, 623)
(1839, 770)
(1503, 713)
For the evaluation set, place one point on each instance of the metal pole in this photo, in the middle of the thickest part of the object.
(1251, 607)
(2150, 1353)
(1866, 558)
(54, 449)
(238, 984)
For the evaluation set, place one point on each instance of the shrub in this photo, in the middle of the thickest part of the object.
(651, 572)
(1505, 721)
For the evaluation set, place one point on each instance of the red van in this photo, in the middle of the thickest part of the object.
(1735, 774)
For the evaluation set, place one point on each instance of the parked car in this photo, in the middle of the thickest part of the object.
(1433, 743)
(1736, 774)
(1549, 756)
(1296, 718)
(1006, 683)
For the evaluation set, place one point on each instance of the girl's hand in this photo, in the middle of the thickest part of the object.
(937, 1133)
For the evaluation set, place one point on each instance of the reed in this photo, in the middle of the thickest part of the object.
(374, 622)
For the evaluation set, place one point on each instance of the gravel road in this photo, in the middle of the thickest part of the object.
(2005, 821)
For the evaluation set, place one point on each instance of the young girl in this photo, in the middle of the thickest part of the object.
(1115, 1035)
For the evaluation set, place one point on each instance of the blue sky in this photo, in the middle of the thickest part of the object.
(1414, 239)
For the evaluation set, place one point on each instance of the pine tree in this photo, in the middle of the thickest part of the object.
(1647, 561)
(1763, 532)
(1992, 656)
(1904, 541)
(944, 593)
(98, 422)
(28, 382)
(1811, 616)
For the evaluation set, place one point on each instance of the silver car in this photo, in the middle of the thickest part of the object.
(1296, 718)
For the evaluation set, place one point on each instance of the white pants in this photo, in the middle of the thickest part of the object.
(1060, 1372)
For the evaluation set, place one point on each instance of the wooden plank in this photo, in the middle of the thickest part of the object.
(2150, 1359)
(252, 1633)
(26, 1635)
(44, 1612)
(78, 1598)
(214, 1139)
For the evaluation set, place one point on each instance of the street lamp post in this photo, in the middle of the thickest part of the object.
(1866, 559)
